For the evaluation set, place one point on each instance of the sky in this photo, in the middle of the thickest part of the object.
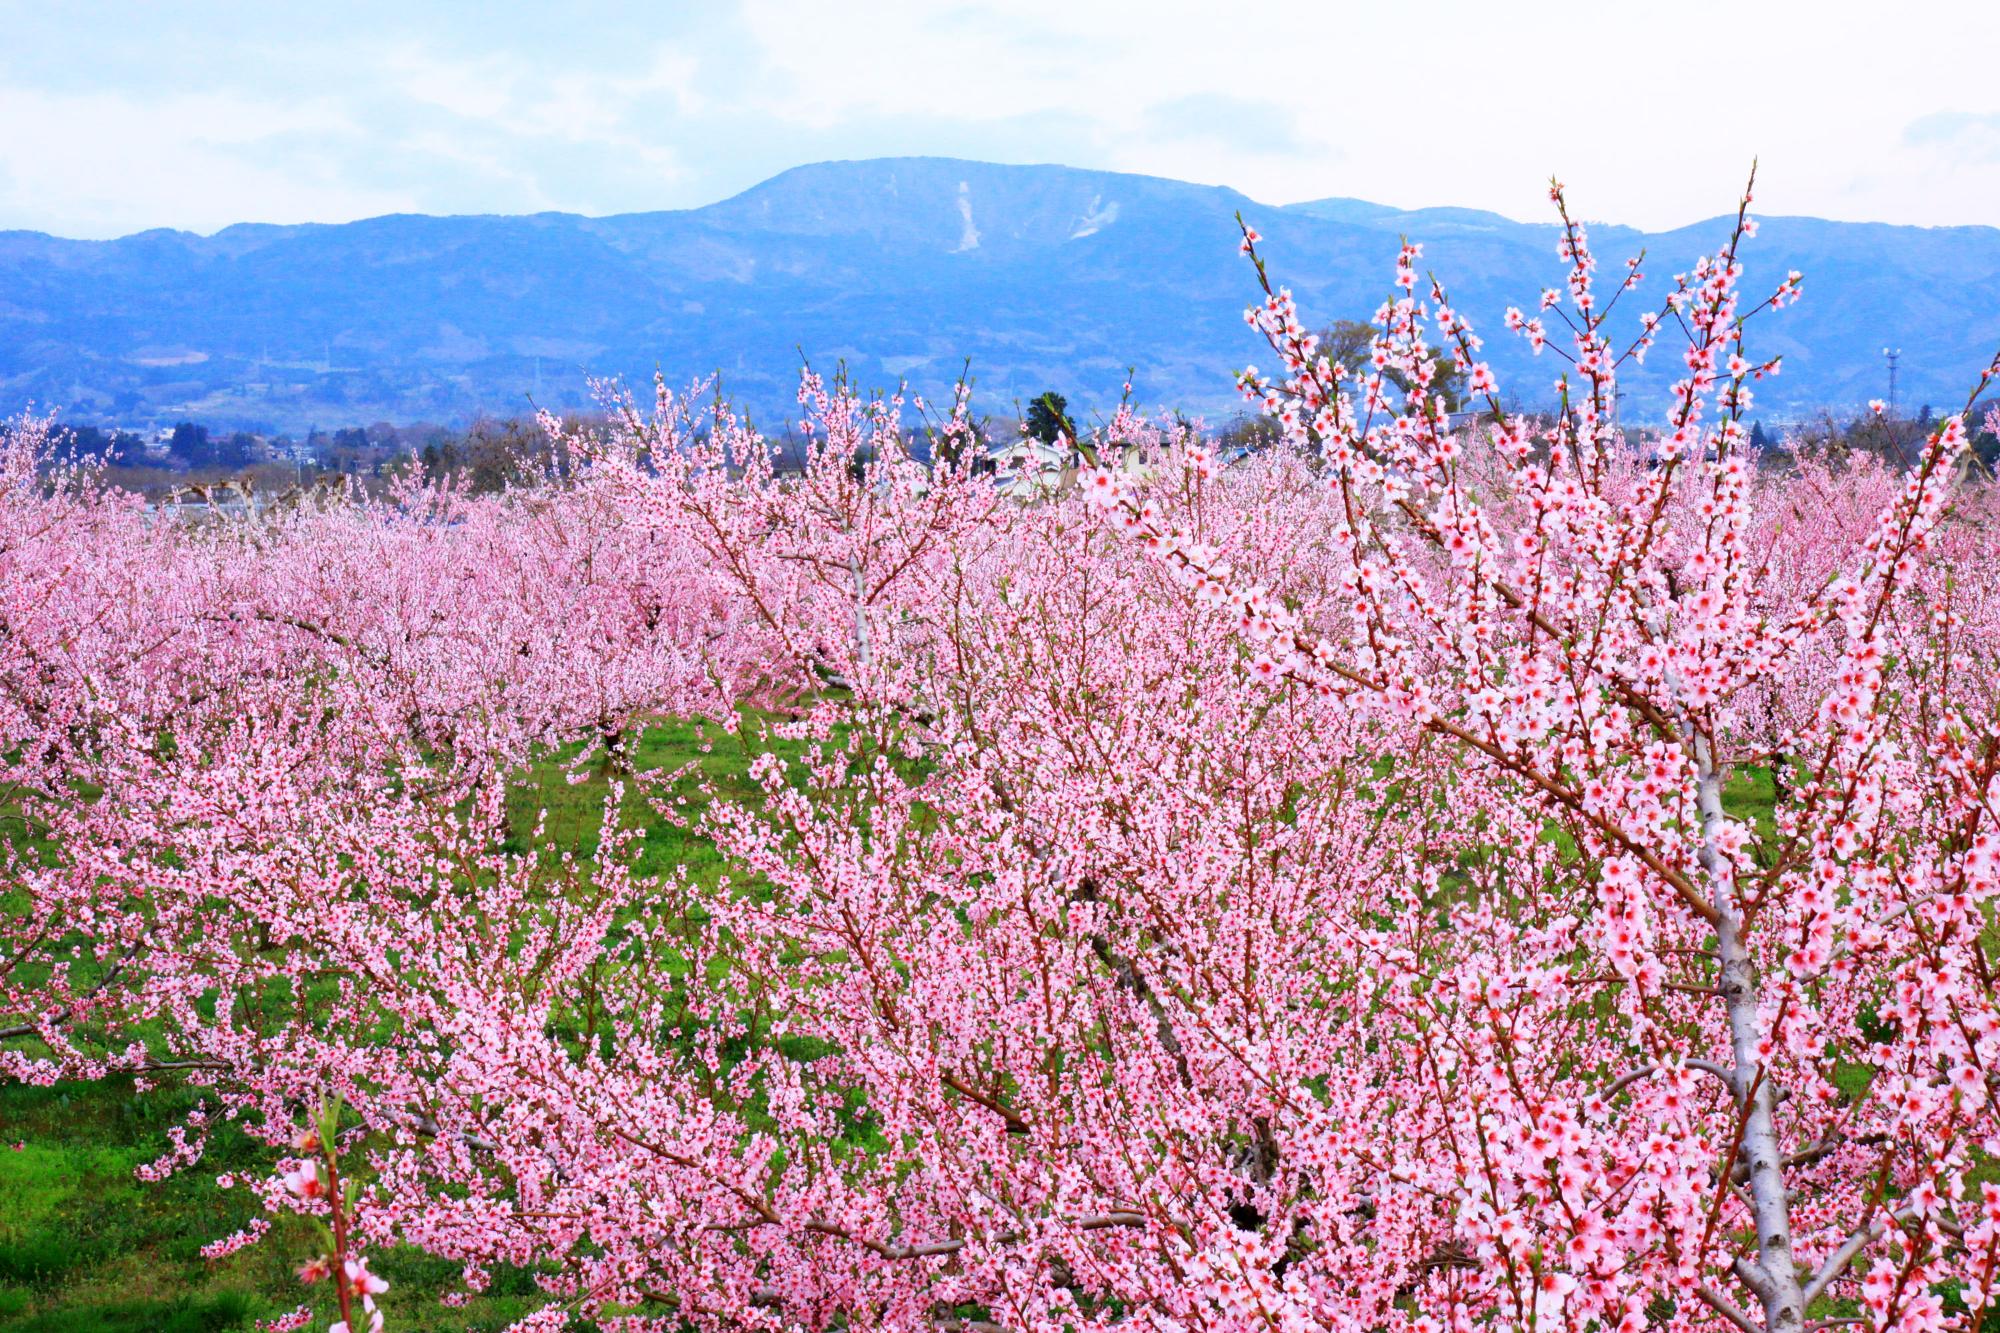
(116, 118)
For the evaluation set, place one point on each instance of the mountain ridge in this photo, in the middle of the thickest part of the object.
(1045, 276)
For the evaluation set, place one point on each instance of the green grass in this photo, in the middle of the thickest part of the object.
(208, 1314)
(86, 1246)
(1752, 796)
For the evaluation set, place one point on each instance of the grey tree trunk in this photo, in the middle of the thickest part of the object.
(1775, 1276)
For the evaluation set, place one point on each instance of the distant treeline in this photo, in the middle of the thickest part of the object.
(490, 453)
(487, 453)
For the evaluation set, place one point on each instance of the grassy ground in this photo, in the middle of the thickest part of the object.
(85, 1246)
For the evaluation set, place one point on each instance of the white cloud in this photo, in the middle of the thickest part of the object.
(101, 163)
(1957, 135)
(1650, 111)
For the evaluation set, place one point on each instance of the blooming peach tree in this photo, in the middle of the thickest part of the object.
(1731, 1060)
(1503, 877)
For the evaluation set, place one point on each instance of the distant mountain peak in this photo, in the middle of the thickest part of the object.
(1045, 276)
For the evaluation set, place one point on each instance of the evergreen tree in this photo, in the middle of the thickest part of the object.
(1048, 418)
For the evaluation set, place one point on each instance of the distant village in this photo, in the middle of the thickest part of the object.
(163, 458)
(190, 460)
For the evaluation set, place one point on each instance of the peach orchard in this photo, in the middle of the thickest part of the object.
(1315, 890)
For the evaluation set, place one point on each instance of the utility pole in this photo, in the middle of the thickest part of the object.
(1892, 353)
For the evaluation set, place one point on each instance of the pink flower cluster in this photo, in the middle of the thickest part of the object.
(1516, 877)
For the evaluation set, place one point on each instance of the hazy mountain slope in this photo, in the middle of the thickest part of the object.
(1044, 276)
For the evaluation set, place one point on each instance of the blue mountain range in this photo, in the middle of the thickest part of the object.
(903, 269)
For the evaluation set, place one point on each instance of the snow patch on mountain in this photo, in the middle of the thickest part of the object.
(968, 237)
(1099, 214)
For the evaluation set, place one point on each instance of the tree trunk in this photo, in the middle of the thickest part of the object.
(1775, 1276)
